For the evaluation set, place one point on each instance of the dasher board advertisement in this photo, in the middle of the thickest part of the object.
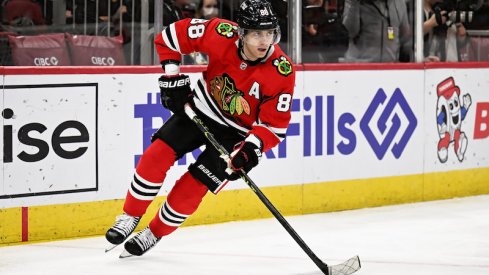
(457, 119)
(49, 143)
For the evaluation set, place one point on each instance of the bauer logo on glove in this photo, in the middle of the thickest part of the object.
(175, 92)
(175, 83)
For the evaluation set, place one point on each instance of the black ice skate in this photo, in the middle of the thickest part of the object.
(140, 244)
(123, 227)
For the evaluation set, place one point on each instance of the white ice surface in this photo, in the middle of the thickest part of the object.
(448, 237)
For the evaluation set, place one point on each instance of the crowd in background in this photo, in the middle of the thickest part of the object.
(332, 30)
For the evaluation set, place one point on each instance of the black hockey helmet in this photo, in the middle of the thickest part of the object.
(257, 15)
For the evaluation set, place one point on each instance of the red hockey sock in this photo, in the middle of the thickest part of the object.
(183, 200)
(148, 178)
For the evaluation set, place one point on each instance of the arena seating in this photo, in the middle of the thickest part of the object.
(480, 48)
(64, 49)
(90, 50)
(39, 50)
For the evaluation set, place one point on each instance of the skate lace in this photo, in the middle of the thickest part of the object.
(125, 224)
(146, 239)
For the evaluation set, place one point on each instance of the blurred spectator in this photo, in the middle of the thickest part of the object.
(171, 12)
(109, 19)
(442, 37)
(324, 38)
(317, 3)
(22, 13)
(47, 10)
(379, 31)
(113, 9)
(181, 4)
(207, 9)
(188, 10)
(5, 52)
(480, 20)
(280, 7)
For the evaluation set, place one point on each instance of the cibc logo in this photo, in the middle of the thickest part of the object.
(103, 61)
(46, 61)
(57, 139)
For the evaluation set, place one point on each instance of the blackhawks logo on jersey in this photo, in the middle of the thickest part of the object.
(283, 66)
(226, 29)
(228, 97)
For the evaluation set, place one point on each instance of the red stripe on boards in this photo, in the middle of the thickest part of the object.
(25, 224)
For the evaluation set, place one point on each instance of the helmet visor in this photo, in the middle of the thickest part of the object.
(260, 37)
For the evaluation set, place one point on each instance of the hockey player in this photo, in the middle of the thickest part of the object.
(244, 98)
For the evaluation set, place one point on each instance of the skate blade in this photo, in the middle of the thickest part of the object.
(125, 254)
(112, 246)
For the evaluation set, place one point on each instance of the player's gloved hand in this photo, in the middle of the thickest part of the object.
(245, 155)
(175, 92)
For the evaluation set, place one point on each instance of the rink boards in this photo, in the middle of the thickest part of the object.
(360, 136)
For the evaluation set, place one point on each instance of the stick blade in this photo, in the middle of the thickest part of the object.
(348, 267)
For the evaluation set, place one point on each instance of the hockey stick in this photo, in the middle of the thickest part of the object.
(348, 267)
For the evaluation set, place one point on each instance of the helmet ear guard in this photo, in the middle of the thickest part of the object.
(277, 36)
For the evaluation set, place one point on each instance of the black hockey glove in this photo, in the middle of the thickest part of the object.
(244, 156)
(175, 92)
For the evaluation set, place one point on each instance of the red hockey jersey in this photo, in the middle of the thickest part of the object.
(253, 98)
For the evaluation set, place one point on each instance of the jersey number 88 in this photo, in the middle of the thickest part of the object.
(197, 28)
(283, 104)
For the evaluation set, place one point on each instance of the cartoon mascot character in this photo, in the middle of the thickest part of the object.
(450, 113)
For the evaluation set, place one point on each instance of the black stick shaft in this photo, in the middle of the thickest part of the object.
(200, 124)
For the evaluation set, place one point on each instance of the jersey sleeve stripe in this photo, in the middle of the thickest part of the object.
(168, 39)
(278, 132)
(174, 37)
(281, 131)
